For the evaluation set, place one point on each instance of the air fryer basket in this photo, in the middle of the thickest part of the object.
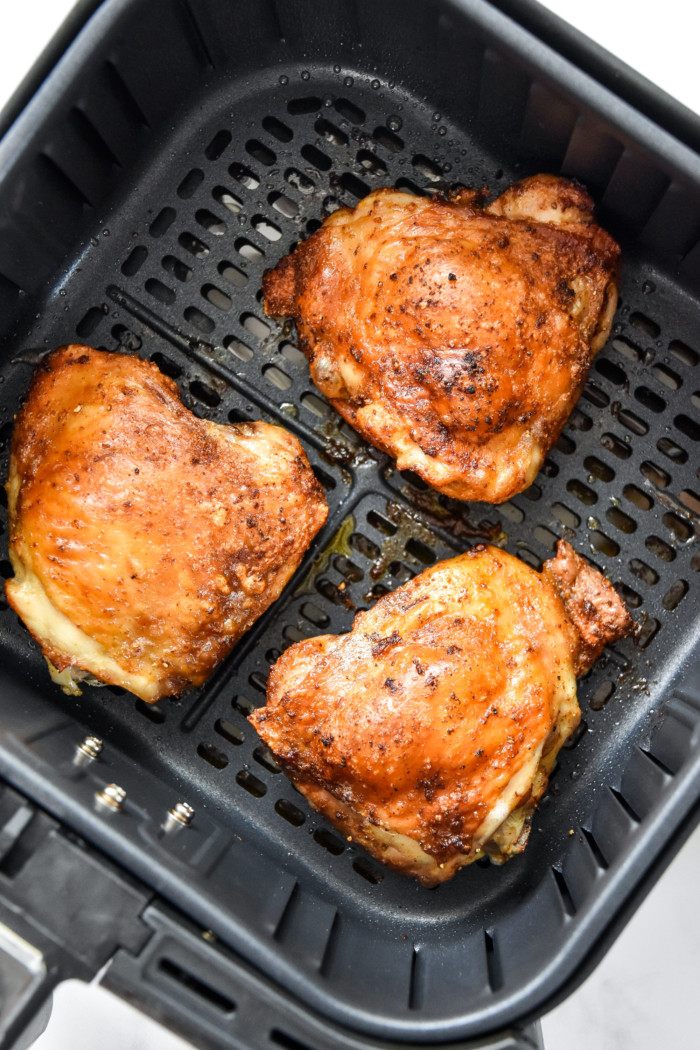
(181, 148)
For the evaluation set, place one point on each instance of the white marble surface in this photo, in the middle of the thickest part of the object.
(643, 996)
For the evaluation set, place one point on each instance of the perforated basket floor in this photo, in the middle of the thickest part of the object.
(181, 219)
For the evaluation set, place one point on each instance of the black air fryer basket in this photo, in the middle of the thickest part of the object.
(179, 148)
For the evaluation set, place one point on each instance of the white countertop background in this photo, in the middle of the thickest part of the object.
(645, 995)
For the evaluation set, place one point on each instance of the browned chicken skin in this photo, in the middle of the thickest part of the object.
(146, 541)
(427, 734)
(456, 338)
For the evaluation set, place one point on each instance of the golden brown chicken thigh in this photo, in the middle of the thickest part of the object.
(428, 733)
(144, 540)
(456, 338)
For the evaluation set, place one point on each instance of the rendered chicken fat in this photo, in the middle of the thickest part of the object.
(428, 733)
(455, 337)
(146, 541)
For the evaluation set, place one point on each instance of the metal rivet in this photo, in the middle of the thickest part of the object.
(181, 815)
(112, 796)
(88, 750)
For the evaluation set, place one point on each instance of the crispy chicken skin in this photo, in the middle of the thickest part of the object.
(427, 734)
(144, 540)
(455, 337)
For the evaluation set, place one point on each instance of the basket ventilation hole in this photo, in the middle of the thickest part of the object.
(284, 205)
(243, 705)
(289, 812)
(193, 245)
(599, 469)
(227, 199)
(601, 696)
(595, 395)
(388, 140)
(675, 595)
(655, 475)
(160, 291)
(299, 181)
(380, 523)
(152, 712)
(511, 513)
(255, 326)
(314, 615)
(688, 427)
(352, 185)
(667, 377)
(629, 596)
(614, 445)
(89, 322)
(314, 405)
(266, 228)
(167, 367)
(244, 175)
(691, 500)
(277, 129)
(217, 145)
(298, 107)
(564, 893)
(239, 350)
(196, 986)
(233, 274)
(287, 1042)
(567, 517)
(260, 152)
(644, 572)
(610, 371)
(210, 222)
(162, 222)
(212, 755)
(176, 268)
(190, 184)
(371, 163)
(660, 548)
(620, 520)
(229, 731)
(646, 325)
(627, 349)
(216, 297)
(251, 783)
(350, 111)
(258, 681)
(134, 260)
(276, 377)
(365, 546)
(316, 158)
(637, 497)
(673, 451)
(581, 492)
(493, 966)
(602, 543)
(248, 250)
(329, 841)
(649, 630)
(367, 871)
(683, 353)
(264, 756)
(199, 320)
(428, 168)
(330, 132)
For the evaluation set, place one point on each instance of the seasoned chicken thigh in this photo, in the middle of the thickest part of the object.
(427, 734)
(456, 338)
(144, 540)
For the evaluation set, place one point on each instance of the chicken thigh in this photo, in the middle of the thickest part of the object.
(144, 540)
(455, 337)
(427, 734)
